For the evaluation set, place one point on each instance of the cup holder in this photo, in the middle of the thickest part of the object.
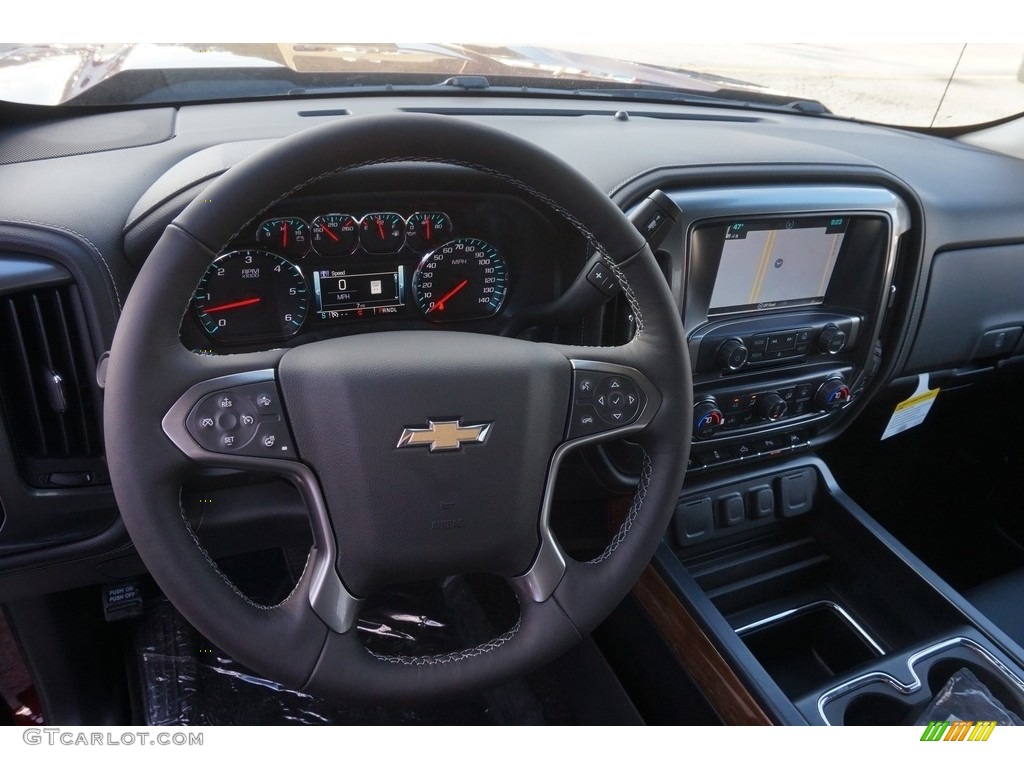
(877, 709)
(880, 698)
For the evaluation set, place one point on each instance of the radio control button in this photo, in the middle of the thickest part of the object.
(732, 355)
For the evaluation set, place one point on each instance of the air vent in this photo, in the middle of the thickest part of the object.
(50, 399)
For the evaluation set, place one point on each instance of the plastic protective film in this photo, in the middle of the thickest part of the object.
(185, 680)
(965, 698)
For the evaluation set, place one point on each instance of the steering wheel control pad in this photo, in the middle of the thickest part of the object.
(603, 400)
(245, 420)
(432, 449)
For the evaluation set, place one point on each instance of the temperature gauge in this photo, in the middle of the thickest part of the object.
(335, 234)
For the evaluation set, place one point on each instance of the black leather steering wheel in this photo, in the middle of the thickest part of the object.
(349, 401)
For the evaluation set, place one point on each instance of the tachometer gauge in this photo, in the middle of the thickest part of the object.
(427, 229)
(464, 279)
(335, 234)
(288, 236)
(382, 232)
(251, 294)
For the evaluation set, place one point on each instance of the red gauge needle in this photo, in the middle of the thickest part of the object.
(380, 228)
(428, 229)
(235, 305)
(326, 230)
(440, 304)
(284, 235)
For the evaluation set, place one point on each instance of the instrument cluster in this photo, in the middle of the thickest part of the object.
(290, 273)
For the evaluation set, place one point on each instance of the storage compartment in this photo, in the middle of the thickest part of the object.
(808, 647)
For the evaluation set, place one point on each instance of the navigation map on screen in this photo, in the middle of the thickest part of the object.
(775, 263)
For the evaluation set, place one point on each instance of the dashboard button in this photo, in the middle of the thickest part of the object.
(714, 455)
(761, 502)
(731, 510)
(744, 450)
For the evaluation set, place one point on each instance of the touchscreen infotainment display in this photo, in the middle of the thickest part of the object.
(770, 263)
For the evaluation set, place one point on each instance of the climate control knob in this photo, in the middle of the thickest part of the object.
(771, 406)
(707, 419)
(732, 355)
(832, 395)
(831, 340)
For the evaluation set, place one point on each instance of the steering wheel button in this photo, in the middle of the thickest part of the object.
(586, 385)
(263, 397)
(584, 421)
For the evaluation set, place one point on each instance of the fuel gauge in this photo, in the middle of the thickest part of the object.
(382, 232)
(287, 237)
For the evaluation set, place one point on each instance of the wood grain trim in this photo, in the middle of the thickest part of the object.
(725, 692)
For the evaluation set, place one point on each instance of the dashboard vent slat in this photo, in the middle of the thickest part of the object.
(49, 395)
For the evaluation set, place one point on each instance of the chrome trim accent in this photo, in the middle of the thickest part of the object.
(867, 638)
(329, 599)
(444, 435)
(905, 689)
(544, 574)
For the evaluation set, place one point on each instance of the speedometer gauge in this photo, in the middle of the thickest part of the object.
(251, 295)
(464, 279)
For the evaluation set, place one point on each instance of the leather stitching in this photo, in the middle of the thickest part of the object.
(84, 239)
(210, 561)
(634, 509)
(448, 658)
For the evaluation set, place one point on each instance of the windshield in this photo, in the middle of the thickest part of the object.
(934, 85)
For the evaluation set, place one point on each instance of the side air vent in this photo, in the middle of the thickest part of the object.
(51, 402)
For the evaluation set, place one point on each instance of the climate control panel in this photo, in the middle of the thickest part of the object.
(754, 407)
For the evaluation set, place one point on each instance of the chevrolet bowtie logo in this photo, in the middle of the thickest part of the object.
(444, 435)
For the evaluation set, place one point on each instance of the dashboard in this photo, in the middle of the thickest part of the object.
(820, 269)
(851, 308)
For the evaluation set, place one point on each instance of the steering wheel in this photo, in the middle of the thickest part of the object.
(418, 454)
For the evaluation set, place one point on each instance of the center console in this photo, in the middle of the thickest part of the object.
(784, 292)
(825, 616)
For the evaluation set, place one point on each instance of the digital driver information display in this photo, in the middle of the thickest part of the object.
(340, 293)
(776, 263)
